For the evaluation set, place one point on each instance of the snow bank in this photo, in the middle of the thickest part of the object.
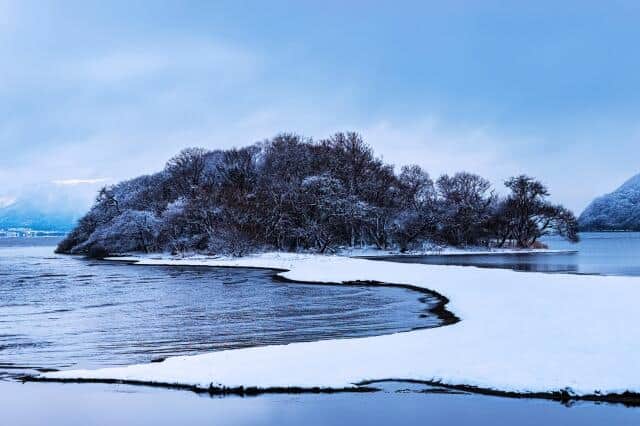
(520, 332)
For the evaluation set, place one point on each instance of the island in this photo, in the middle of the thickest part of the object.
(294, 194)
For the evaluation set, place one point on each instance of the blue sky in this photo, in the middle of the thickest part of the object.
(94, 92)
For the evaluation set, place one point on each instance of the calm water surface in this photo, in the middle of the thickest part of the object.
(605, 253)
(35, 404)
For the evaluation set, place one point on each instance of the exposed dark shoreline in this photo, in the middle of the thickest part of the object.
(628, 399)
(210, 390)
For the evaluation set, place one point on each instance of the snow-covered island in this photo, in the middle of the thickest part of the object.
(533, 334)
(295, 194)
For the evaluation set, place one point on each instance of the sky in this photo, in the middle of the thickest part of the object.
(96, 92)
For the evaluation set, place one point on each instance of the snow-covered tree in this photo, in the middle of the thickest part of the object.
(465, 207)
(530, 215)
(291, 193)
(417, 217)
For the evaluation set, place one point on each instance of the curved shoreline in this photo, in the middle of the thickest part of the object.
(629, 397)
(439, 309)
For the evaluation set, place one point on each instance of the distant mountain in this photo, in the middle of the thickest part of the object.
(47, 207)
(28, 215)
(617, 211)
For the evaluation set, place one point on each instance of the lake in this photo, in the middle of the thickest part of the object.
(34, 404)
(66, 312)
(603, 253)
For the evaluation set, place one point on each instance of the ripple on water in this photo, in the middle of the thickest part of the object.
(116, 314)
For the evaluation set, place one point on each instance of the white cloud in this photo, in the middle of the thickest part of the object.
(69, 182)
(118, 66)
(441, 148)
(136, 105)
(177, 60)
(6, 201)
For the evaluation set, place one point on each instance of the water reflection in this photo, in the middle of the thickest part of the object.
(398, 404)
(518, 262)
(612, 253)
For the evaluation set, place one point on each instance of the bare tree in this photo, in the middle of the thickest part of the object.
(187, 168)
(465, 207)
(531, 216)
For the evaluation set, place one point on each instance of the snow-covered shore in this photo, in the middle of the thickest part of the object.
(525, 333)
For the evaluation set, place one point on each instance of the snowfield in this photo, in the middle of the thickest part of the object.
(519, 332)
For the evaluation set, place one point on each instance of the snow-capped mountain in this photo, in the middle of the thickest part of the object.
(617, 211)
(26, 215)
(46, 207)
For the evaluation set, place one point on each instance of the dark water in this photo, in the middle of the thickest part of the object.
(62, 312)
(604, 253)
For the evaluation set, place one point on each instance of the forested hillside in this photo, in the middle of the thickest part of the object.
(292, 193)
(617, 211)
(26, 215)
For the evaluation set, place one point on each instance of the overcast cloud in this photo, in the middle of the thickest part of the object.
(96, 92)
